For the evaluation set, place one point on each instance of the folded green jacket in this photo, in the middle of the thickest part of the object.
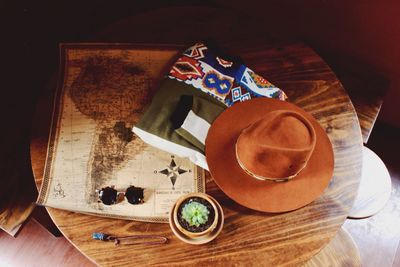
(178, 120)
(198, 87)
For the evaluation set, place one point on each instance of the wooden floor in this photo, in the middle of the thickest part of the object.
(34, 246)
(377, 237)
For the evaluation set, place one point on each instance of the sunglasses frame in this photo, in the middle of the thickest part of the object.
(108, 195)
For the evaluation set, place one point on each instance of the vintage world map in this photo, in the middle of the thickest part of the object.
(103, 92)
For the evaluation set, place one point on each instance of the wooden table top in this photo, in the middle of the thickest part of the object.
(248, 236)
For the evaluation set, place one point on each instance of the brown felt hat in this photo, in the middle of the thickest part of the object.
(269, 155)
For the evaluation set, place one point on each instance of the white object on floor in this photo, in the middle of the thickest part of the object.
(375, 187)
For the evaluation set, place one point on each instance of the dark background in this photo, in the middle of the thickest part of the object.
(360, 35)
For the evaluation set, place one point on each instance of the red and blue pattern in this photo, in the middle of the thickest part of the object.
(186, 68)
(213, 81)
(228, 81)
(197, 51)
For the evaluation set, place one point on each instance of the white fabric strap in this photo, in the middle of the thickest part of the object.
(196, 126)
(151, 139)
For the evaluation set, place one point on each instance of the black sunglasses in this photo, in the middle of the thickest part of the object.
(109, 196)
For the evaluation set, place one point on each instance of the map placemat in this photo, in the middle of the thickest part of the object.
(103, 90)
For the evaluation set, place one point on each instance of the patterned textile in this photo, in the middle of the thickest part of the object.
(227, 81)
(199, 86)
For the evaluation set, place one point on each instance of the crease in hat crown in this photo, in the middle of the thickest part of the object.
(277, 147)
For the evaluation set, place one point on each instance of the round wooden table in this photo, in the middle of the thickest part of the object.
(248, 237)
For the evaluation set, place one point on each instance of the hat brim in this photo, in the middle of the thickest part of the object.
(267, 196)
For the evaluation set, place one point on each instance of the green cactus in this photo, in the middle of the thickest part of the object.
(195, 213)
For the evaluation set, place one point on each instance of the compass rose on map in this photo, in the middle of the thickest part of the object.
(172, 171)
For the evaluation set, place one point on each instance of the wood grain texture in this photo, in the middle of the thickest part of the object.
(366, 87)
(248, 236)
(367, 109)
(366, 92)
(340, 252)
(14, 216)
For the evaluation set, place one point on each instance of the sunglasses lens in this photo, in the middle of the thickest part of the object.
(108, 195)
(134, 195)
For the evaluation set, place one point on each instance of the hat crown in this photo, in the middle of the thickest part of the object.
(276, 147)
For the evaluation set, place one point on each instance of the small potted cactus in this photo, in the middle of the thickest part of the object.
(195, 215)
